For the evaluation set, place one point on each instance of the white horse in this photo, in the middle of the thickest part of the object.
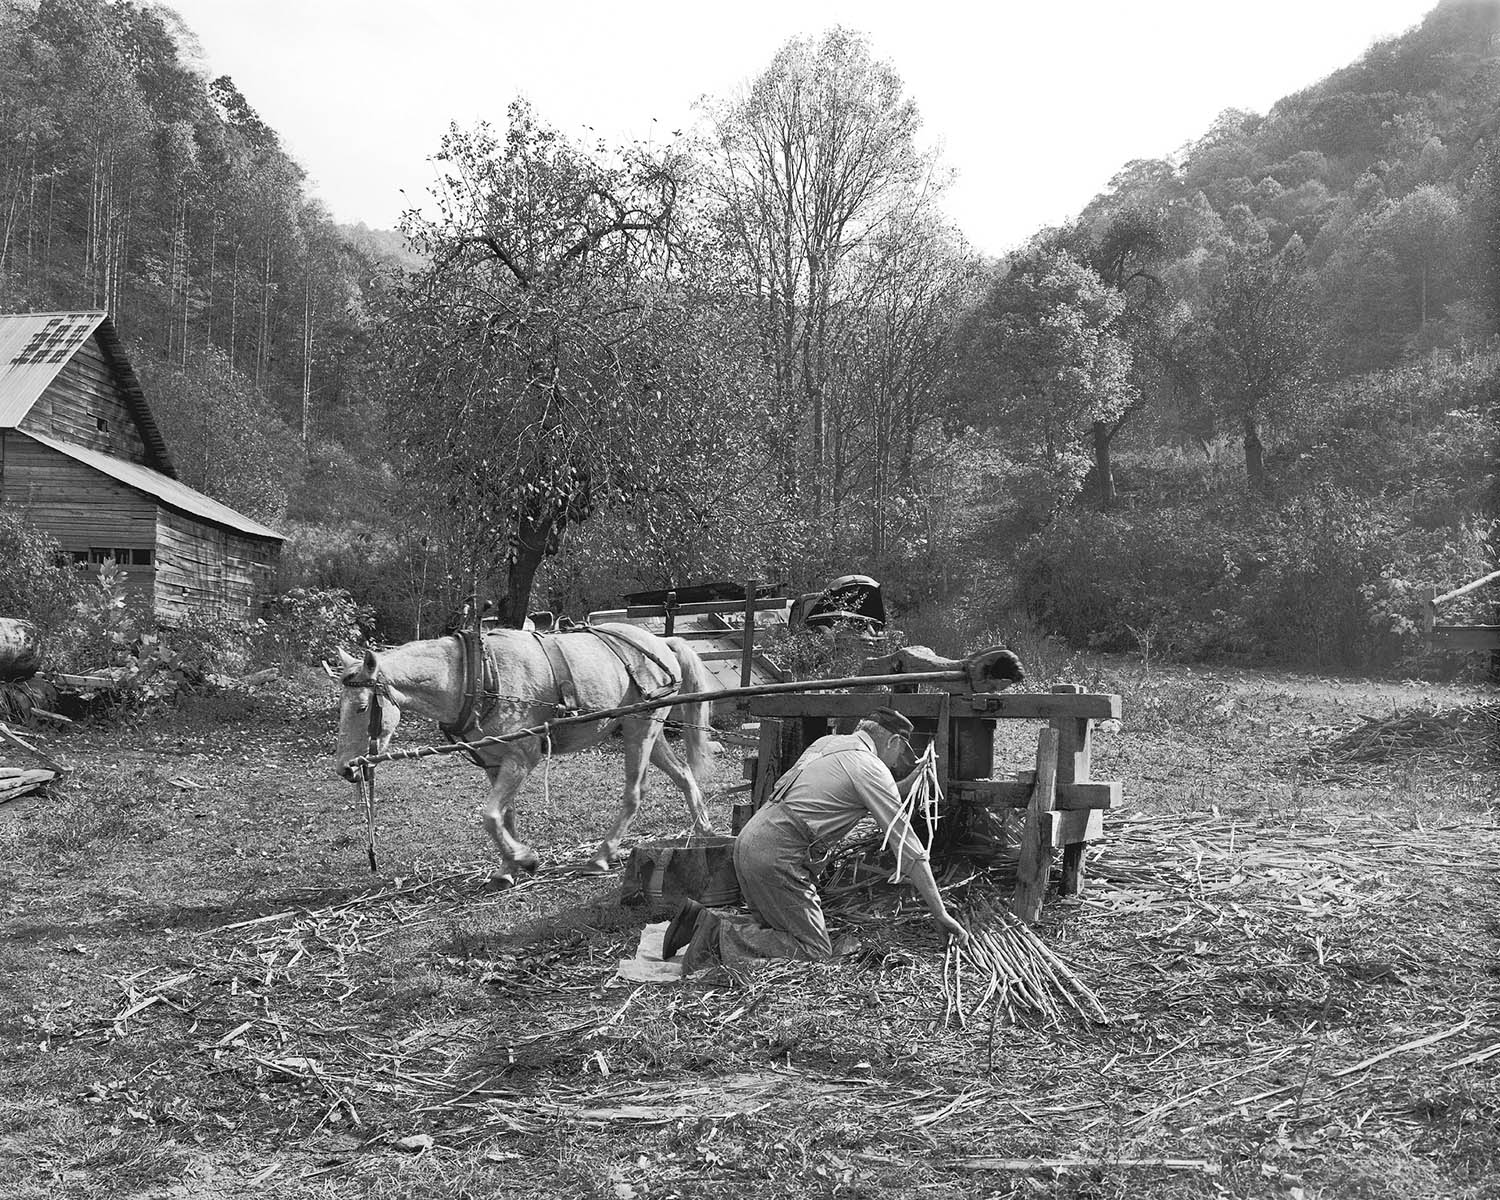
(522, 685)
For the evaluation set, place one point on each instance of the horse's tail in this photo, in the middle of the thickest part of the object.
(694, 717)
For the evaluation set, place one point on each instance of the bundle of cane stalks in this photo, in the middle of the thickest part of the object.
(1008, 966)
(921, 801)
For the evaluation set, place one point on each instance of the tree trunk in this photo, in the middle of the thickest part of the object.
(1255, 455)
(307, 349)
(1104, 474)
(520, 574)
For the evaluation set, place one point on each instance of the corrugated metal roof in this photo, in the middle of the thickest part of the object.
(34, 347)
(169, 491)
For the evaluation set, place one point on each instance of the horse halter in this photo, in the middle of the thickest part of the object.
(379, 690)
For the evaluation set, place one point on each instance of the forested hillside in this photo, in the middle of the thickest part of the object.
(1242, 407)
(132, 181)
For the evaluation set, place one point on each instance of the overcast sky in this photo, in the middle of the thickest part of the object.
(1034, 105)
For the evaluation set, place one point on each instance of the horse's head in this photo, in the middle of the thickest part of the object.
(363, 686)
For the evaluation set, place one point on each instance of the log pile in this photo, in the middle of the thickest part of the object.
(16, 782)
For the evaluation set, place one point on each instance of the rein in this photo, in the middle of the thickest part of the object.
(367, 771)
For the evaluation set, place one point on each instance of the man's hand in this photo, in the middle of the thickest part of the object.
(957, 934)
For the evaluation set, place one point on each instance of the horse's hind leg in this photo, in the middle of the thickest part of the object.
(639, 734)
(663, 756)
(499, 820)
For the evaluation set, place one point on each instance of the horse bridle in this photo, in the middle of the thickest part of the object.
(379, 689)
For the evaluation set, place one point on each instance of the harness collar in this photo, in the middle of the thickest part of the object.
(481, 691)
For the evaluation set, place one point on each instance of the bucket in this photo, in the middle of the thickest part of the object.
(661, 874)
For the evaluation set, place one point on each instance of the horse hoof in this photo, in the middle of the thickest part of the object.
(593, 867)
(529, 865)
(500, 883)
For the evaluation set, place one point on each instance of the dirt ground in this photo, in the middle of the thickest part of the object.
(205, 992)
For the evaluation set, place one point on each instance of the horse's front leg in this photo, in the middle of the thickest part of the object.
(499, 820)
(639, 733)
(663, 757)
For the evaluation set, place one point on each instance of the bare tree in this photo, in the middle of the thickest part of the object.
(817, 158)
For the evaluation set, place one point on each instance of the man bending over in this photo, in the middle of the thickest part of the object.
(839, 780)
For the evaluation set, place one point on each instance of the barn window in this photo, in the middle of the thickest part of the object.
(122, 556)
(101, 424)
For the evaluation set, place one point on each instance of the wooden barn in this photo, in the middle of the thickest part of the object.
(82, 458)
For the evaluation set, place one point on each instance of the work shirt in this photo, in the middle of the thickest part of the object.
(837, 782)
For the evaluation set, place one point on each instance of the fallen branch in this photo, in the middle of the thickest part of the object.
(1203, 1165)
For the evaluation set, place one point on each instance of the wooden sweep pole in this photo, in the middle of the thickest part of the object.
(626, 710)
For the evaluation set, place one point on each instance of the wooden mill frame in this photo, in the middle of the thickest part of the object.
(1065, 805)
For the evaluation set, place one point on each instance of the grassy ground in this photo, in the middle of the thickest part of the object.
(203, 991)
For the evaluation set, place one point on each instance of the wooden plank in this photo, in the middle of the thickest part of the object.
(833, 706)
(1035, 862)
(1466, 637)
(637, 611)
(1097, 706)
(1016, 793)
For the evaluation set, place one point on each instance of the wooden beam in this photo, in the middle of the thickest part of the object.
(1044, 706)
(1465, 637)
(637, 611)
(1016, 793)
(1466, 588)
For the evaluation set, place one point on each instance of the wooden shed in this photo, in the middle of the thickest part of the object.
(82, 458)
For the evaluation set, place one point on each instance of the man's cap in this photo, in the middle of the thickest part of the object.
(889, 718)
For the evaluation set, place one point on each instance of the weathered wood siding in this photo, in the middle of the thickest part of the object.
(83, 394)
(203, 569)
(78, 506)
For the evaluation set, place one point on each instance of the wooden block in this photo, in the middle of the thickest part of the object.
(1080, 825)
(1035, 862)
(1016, 793)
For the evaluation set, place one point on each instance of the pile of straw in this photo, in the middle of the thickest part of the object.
(1465, 732)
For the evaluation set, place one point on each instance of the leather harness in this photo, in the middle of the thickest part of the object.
(481, 692)
(482, 684)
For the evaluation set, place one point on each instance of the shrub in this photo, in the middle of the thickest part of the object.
(36, 580)
(1327, 580)
(306, 624)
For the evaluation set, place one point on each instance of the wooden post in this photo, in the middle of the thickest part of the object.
(768, 768)
(1035, 863)
(1074, 763)
(747, 649)
(670, 604)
